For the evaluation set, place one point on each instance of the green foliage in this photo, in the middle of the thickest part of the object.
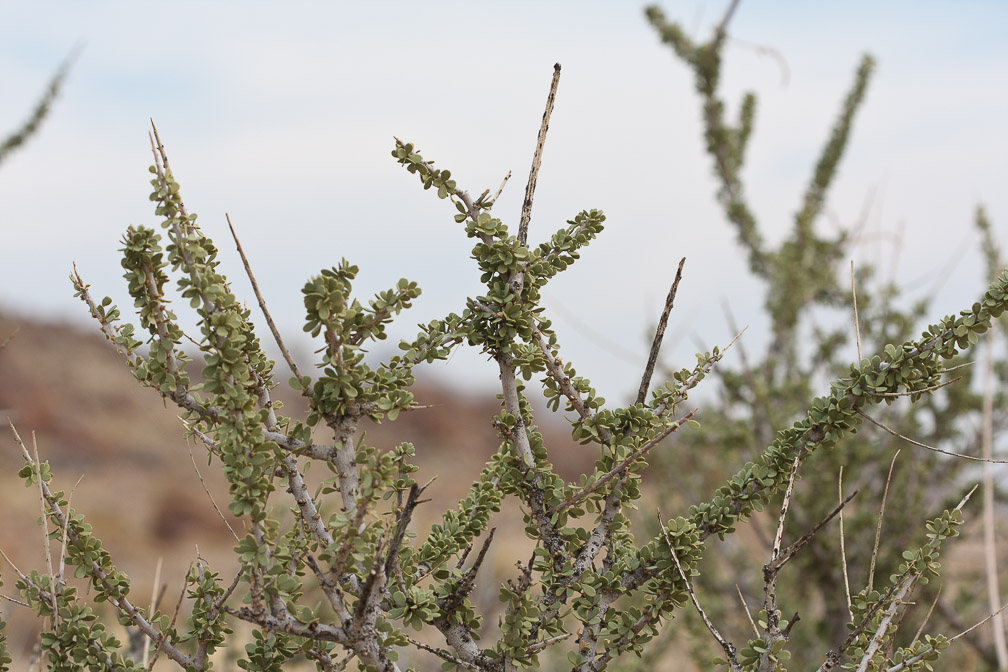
(341, 571)
(805, 280)
(41, 110)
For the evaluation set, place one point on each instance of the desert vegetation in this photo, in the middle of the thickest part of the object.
(331, 567)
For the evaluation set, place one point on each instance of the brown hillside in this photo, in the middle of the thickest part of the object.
(140, 489)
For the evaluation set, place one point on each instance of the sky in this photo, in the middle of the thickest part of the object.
(283, 116)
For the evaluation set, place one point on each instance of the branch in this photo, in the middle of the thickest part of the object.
(659, 334)
(722, 27)
(883, 627)
(924, 445)
(843, 546)
(920, 656)
(41, 110)
(728, 647)
(262, 305)
(790, 551)
(770, 570)
(526, 211)
(619, 468)
(555, 370)
(98, 575)
(878, 527)
(990, 550)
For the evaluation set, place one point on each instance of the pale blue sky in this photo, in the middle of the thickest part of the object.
(282, 114)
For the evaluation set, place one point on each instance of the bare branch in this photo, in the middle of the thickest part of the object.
(924, 445)
(748, 613)
(722, 27)
(927, 617)
(857, 324)
(210, 444)
(501, 187)
(990, 550)
(14, 600)
(171, 624)
(633, 457)
(659, 334)
(770, 570)
(879, 637)
(910, 393)
(843, 548)
(878, 528)
(784, 508)
(44, 520)
(444, 655)
(790, 551)
(914, 659)
(526, 211)
(728, 647)
(150, 612)
(262, 303)
(549, 641)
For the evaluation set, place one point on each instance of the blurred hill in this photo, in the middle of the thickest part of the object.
(141, 492)
(140, 489)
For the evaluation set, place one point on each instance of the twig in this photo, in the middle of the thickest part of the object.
(659, 334)
(66, 529)
(766, 50)
(957, 366)
(877, 639)
(910, 661)
(633, 457)
(735, 338)
(262, 303)
(924, 445)
(843, 549)
(501, 187)
(14, 600)
(171, 624)
(405, 515)
(536, 647)
(907, 393)
(13, 566)
(771, 569)
(857, 324)
(44, 520)
(927, 617)
(443, 654)
(778, 537)
(878, 528)
(951, 618)
(154, 601)
(613, 347)
(747, 612)
(723, 26)
(833, 657)
(990, 550)
(203, 483)
(789, 552)
(321, 657)
(977, 625)
(526, 211)
(728, 647)
(465, 586)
